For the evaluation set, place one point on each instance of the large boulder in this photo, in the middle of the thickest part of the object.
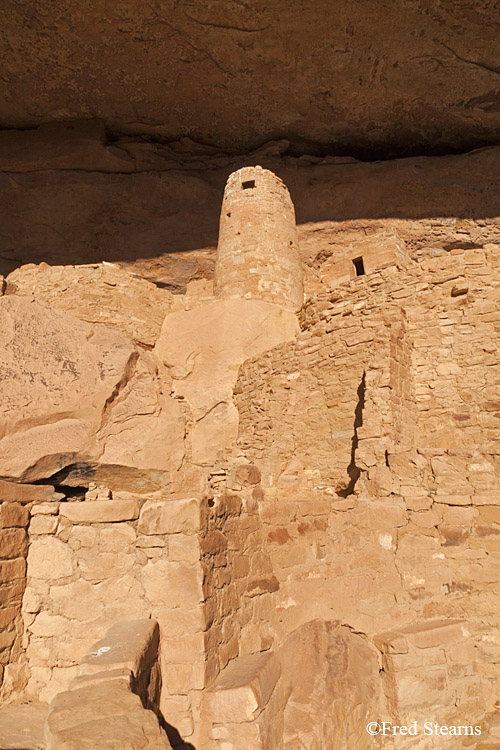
(57, 377)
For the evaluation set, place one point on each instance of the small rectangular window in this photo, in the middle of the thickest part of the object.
(359, 266)
(248, 184)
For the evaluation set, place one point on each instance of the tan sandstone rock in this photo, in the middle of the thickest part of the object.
(81, 396)
(131, 645)
(101, 293)
(203, 349)
(49, 558)
(101, 511)
(170, 517)
(243, 688)
(106, 715)
(144, 429)
(374, 81)
(58, 374)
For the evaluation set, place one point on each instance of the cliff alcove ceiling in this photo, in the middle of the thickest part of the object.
(372, 78)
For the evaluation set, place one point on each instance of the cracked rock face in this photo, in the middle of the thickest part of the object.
(366, 78)
(101, 294)
(57, 375)
(78, 395)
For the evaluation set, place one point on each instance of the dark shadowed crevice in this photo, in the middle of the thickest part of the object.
(352, 470)
(175, 738)
(73, 481)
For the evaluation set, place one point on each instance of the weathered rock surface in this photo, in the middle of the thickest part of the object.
(98, 219)
(203, 349)
(27, 493)
(143, 432)
(66, 145)
(82, 397)
(131, 645)
(362, 77)
(58, 374)
(107, 705)
(105, 715)
(21, 726)
(333, 663)
(98, 294)
(243, 689)
(101, 511)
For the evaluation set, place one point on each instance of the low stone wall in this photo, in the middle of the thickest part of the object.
(96, 562)
(13, 547)
(430, 667)
(17, 502)
(430, 673)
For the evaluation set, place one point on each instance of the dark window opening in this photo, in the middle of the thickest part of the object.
(359, 266)
(248, 184)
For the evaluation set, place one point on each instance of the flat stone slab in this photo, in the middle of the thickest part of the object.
(13, 492)
(423, 635)
(102, 716)
(101, 511)
(128, 644)
(21, 726)
(243, 688)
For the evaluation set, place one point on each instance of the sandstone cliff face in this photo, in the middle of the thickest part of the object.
(98, 294)
(371, 77)
(70, 372)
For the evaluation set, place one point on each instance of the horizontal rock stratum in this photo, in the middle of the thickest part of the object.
(364, 78)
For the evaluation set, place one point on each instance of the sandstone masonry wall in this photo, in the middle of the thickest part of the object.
(414, 537)
(13, 548)
(95, 562)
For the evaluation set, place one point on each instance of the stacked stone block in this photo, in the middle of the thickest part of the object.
(94, 562)
(13, 548)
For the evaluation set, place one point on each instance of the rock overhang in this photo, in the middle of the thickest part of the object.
(371, 79)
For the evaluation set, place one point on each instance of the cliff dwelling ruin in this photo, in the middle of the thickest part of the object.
(250, 376)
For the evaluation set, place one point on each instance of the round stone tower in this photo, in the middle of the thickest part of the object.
(258, 255)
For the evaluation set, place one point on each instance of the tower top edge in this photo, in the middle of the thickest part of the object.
(257, 172)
